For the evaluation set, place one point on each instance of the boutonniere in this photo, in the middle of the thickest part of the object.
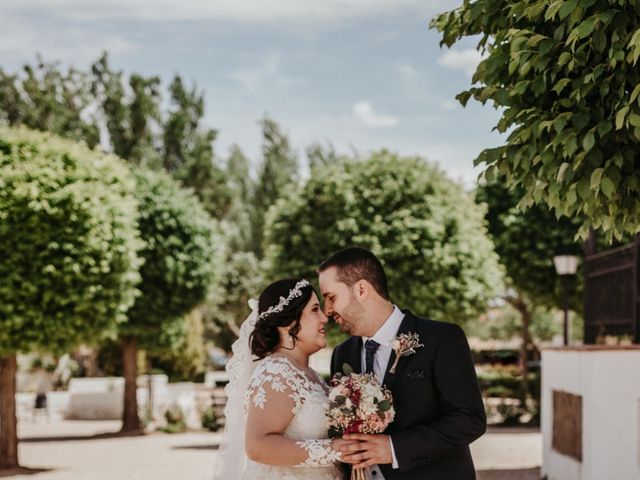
(404, 345)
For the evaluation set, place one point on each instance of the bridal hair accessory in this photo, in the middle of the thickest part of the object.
(293, 293)
(404, 345)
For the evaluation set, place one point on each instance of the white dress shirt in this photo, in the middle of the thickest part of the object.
(384, 336)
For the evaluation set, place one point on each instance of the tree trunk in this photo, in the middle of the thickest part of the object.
(150, 391)
(524, 349)
(130, 420)
(8, 420)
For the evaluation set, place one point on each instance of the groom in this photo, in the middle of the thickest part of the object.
(437, 400)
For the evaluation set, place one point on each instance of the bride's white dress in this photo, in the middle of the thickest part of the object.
(277, 375)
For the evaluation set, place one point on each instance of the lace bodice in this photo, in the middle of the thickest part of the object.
(278, 376)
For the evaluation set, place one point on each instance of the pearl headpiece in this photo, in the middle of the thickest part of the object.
(293, 293)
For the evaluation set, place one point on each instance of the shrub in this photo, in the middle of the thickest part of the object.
(210, 419)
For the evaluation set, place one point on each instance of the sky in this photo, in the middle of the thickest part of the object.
(358, 74)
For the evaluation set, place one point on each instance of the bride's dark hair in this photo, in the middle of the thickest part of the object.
(265, 337)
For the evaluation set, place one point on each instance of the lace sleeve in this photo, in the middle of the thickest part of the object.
(320, 453)
(272, 379)
(279, 387)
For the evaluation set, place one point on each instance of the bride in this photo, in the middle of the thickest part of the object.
(275, 414)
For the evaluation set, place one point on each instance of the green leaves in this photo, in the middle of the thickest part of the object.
(566, 8)
(607, 187)
(526, 239)
(276, 175)
(559, 86)
(425, 228)
(562, 171)
(588, 141)
(583, 30)
(182, 254)
(621, 116)
(70, 242)
(72, 224)
(634, 94)
(634, 119)
(573, 98)
(564, 58)
(596, 178)
(553, 9)
(634, 46)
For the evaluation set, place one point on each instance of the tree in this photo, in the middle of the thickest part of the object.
(124, 114)
(238, 175)
(180, 265)
(426, 230)
(180, 353)
(526, 242)
(188, 149)
(565, 76)
(44, 98)
(131, 115)
(320, 156)
(70, 264)
(237, 223)
(277, 173)
(241, 280)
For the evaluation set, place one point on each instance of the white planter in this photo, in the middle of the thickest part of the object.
(607, 382)
(102, 398)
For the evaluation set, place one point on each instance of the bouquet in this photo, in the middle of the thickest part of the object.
(358, 404)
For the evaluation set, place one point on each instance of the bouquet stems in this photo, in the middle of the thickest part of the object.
(357, 474)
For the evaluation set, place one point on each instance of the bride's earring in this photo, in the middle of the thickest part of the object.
(291, 342)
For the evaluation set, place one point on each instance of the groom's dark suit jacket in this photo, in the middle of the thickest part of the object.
(439, 409)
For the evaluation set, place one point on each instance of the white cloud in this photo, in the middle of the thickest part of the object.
(407, 72)
(466, 60)
(364, 111)
(251, 78)
(449, 105)
(242, 11)
(267, 75)
(21, 40)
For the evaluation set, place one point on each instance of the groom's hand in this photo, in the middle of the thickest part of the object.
(339, 445)
(371, 450)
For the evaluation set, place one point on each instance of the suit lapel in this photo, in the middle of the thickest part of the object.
(354, 359)
(407, 325)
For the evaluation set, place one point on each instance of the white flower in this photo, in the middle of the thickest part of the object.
(338, 391)
(367, 406)
(370, 390)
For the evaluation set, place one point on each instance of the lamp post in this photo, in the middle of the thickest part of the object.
(566, 265)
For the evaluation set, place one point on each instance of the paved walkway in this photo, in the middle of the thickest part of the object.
(81, 451)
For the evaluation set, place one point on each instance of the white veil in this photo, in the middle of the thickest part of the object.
(231, 458)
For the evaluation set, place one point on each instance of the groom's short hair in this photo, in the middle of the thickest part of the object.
(354, 264)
